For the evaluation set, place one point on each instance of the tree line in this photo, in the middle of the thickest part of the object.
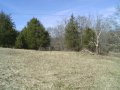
(97, 34)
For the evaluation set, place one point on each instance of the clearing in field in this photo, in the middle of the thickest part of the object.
(45, 70)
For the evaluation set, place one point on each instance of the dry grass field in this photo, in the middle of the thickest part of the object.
(52, 70)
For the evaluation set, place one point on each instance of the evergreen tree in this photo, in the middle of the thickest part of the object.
(33, 36)
(20, 42)
(89, 39)
(72, 37)
(8, 33)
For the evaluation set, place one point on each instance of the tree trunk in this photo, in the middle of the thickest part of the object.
(97, 45)
(97, 49)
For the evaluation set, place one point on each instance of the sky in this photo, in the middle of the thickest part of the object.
(52, 12)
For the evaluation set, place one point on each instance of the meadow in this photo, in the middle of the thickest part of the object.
(58, 70)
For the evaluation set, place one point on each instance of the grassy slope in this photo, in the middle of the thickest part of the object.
(31, 70)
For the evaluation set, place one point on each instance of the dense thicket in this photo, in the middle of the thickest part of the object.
(8, 33)
(91, 33)
(33, 36)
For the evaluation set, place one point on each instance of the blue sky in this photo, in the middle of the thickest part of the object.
(51, 12)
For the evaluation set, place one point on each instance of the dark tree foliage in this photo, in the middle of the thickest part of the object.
(20, 42)
(72, 37)
(8, 33)
(33, 36)
(89, 38)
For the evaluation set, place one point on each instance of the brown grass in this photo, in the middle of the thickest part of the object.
(44, 70)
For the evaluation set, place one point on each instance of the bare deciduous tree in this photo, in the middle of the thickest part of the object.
(98, 27)
(84, 22)
(57, 36)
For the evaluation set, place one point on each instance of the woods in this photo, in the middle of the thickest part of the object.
(96, 33)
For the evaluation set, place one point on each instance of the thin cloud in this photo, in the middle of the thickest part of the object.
(54, 18)
(108, 11)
